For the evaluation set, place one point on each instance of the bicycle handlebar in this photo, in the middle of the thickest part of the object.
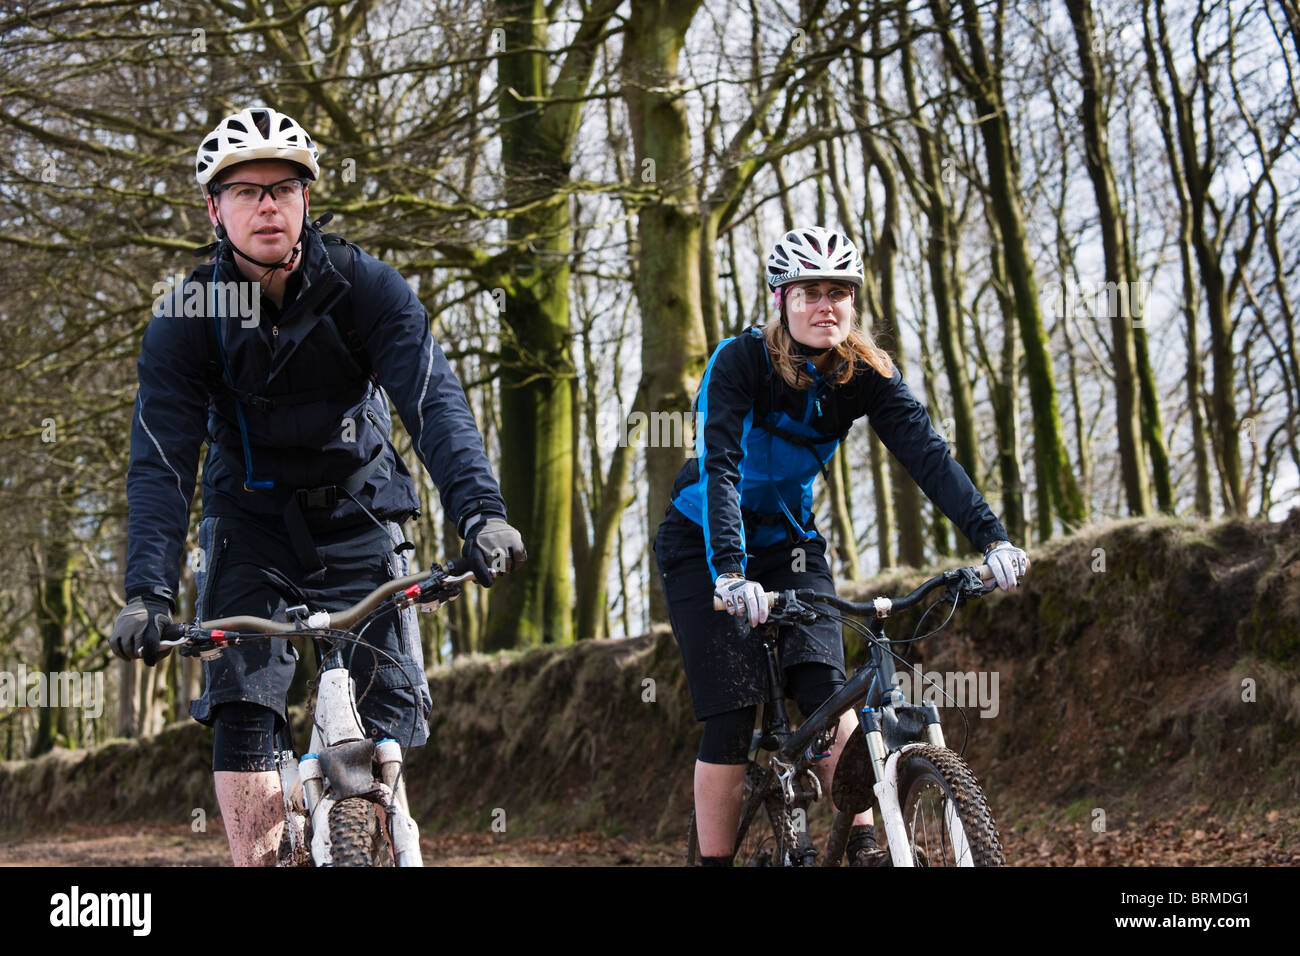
(414, 588)
(879, 608)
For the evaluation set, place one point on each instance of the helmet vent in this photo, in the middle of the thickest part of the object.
(814, 252)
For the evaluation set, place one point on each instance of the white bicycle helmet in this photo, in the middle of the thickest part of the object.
(256, 133)
(813, 252)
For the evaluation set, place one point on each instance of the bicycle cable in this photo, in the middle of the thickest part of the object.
(866, 632)
(342, 636)
(355, 639)
(369, 619)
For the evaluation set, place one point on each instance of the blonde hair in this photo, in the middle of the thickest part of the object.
(857, 348)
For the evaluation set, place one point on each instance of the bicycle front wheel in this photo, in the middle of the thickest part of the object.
(946, 815)
(356, 836)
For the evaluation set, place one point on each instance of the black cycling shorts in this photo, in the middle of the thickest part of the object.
(243, 737)
(726, 668)
(250, 568)
(727, 736)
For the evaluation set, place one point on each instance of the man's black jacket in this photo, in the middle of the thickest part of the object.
(325, 419)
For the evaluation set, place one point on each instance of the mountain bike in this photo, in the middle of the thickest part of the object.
(345, 799)
(930, 803)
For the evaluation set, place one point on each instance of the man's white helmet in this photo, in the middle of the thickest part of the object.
(813, 253)
(257, 133)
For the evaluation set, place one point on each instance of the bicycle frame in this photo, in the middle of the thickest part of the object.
(886, 738)
(789, 749)
(339, 764)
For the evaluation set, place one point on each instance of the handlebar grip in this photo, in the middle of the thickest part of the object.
(986, 573)
(172, 632)
(458, 566)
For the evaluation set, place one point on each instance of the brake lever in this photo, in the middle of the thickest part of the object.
(970, 584)
(440, 587)
(788, 609)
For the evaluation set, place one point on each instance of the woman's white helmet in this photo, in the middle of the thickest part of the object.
(813, 252)
(256, 133)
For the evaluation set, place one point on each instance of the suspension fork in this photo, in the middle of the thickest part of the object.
(292, 797)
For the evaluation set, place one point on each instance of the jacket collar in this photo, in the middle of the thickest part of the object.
(322, 288)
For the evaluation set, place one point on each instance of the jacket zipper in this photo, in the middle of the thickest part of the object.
(210, 585)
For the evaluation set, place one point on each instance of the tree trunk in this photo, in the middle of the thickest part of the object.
(844, 544)
(710, 309)
(54, 613)
(1202, 496)
(1004, 393)
(614, 495)
(884, 505)
(907, 495)
(984, 89)
(578, 527)
(1121, 278)
(461, 616)
(1197, 176)
(535, 604)
(669, 239)
(944, 280)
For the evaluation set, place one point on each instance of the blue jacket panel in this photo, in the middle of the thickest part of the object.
(760, 444)
(326, 419)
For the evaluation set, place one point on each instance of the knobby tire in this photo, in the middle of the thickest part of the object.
(942, 807)
(356, 837)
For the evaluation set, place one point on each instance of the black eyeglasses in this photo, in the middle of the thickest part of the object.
(251, 194)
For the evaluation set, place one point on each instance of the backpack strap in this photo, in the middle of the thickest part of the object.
(344, 260)
(213, 376)
(763, 410)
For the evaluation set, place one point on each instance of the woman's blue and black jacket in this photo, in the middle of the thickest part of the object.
(760, 443)
(291, 405)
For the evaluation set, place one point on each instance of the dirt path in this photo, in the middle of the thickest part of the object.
(1191, 838)
(137, 845)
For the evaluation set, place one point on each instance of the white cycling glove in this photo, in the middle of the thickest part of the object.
(740, 597)
(1007, 562)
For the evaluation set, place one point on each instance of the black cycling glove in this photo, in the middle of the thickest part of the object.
(492, 547)
(137, 632)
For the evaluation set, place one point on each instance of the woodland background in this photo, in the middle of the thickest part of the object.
(1076, 218)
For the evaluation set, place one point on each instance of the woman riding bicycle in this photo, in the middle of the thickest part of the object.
(772, 408)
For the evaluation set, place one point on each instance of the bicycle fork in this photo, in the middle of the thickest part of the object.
(340, 765)
(884, 763)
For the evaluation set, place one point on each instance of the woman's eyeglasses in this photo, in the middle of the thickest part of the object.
(814, 296)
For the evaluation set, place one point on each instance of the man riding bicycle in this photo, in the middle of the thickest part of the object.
(284, 373)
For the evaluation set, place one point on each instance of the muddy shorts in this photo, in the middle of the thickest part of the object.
(248, 567)
(725, 665)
